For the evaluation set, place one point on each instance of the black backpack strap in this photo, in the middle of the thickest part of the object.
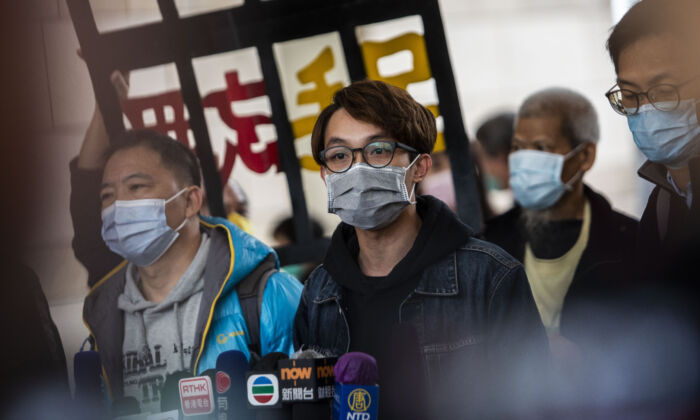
(250, 296)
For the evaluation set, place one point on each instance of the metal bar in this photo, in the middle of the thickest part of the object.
(90, 46)
(456, 141)
(193, 101)
(285, 145)
(151, 45)
(353, 54)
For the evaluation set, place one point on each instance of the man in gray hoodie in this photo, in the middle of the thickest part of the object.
(172, 303)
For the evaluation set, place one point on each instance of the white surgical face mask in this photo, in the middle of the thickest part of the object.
(138, 230)
(535, 177)
(669, 138)
(369, 198)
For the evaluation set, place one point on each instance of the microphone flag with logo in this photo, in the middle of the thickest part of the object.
(307, 376)
(356, 387)
(262, 384)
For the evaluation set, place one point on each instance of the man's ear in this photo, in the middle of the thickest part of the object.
(194, 197)
(588, 154)
(422, 167)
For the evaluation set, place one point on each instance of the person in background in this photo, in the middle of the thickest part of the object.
(284, 235)
(569, 238)
(438, 182)
(490, 154)
(235, 205)
(400, 262)
(491, 149)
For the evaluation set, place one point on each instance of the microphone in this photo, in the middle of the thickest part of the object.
(183, 395)
(230, 381)
(263, 388)
(317, 405)
(87, 370)
(356, 390)
(197, 395)
(170, 391)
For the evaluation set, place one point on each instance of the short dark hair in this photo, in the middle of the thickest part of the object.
(648, 18)
(388, 107)
(496, 134)
(173, 155)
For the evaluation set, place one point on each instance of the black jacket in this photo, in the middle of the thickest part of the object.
(469, 304)
(668, 227)
(600, 275)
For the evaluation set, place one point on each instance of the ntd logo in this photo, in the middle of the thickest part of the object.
(358, 416)
(359, 400)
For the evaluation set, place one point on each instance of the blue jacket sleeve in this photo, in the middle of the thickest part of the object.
(280, 302)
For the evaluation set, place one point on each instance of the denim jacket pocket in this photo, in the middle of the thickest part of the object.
(450, 361)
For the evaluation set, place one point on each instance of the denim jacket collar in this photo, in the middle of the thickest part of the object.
(438, 280)
(330, 290)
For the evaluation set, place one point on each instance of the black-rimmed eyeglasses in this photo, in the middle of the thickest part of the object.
(376, 154)
(664, 97)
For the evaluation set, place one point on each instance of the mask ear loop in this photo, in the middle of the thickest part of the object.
(579, 174)
(171, 199)
(413, 190)
(177, 194)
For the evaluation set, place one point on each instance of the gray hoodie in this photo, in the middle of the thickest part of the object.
(159, 338)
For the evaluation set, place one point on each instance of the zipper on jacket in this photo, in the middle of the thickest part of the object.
(347, 326)
(218, 295)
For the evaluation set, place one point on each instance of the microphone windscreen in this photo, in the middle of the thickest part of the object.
(230, 385)
(356, 368)
(307, 354)
(269, 362)
(170, 391)
(87, 370)
(234, 363)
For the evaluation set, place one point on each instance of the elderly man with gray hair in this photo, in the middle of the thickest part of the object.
(571, 241)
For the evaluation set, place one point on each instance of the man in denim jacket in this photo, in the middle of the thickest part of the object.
(400, 262)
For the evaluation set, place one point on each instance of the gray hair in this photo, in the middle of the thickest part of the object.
(579, 121)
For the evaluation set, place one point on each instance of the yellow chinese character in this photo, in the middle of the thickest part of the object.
(321, 94)
(415, 43)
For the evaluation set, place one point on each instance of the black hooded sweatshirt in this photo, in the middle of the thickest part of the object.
(372, 303)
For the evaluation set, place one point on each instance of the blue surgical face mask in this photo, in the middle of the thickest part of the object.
(669, 138)
(138, 230)
(535, 177)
